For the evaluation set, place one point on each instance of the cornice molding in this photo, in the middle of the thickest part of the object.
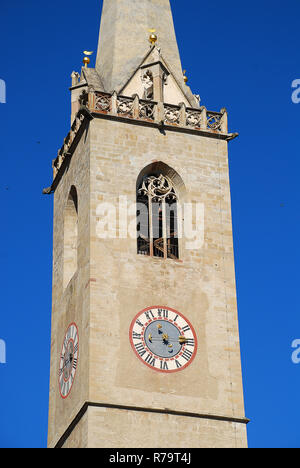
(88, 404)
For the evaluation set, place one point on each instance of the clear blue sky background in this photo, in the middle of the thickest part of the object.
(239, 55)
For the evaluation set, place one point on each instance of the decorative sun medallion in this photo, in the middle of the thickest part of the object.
(163, 339)
(68, 360)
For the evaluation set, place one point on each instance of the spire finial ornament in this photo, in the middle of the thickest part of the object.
(86, 59)
(152, 37)
(185, 78)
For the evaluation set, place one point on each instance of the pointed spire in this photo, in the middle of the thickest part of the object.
(124, 39)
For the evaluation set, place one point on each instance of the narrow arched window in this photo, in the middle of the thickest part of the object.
(70, 236)
(157, 217)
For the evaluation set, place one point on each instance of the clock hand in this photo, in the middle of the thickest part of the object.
(164, 338)
(70, 360)
(180, 339)
(62, 369)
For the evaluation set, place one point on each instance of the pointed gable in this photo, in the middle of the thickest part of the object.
(141, 82)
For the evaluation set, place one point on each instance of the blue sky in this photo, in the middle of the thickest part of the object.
(240, 55)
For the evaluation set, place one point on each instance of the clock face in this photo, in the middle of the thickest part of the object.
(68, 360)
(163, 339)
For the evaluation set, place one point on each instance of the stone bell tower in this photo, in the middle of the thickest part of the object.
(145, 344)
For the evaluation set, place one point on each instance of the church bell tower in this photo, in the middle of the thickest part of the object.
(144, 344)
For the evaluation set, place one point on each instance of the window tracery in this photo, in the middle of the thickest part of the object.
(157, 222)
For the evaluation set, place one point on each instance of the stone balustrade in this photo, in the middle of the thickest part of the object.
(135, 108)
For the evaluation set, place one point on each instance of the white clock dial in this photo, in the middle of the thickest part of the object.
(68, 360)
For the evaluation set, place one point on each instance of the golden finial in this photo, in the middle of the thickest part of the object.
(153, 36)
(185, 78)
(86, 59)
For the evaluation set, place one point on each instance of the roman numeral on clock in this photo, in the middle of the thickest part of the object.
(163, 313)
(148, 313)
(187, 355)
(66, 387)
(150, 360)
(140, 349)
(164, 365)
(190, 342)
(136, 336)
(138, 322)
(61, 380)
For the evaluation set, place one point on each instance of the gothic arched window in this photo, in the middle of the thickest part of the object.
(70, 236)
(157, 217)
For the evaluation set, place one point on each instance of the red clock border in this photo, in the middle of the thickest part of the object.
(184, 318)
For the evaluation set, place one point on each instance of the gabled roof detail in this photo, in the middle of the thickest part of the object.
(174, 91)
(92, 78)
